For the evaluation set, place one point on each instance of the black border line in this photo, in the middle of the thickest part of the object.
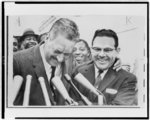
(71, 2)
(77, 2)
(130, 118)
(7, 30)
(3, 63)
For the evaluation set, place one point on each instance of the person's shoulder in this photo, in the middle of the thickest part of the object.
(26, 53)
(82, 67)
(126, 74)
(85, 65)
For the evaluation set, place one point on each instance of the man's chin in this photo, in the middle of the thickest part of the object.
(102, 66)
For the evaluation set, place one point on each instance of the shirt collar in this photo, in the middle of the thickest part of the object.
(102, 74)
(46, 65)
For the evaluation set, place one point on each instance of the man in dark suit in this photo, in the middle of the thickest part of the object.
(118, 88)
(40, 60)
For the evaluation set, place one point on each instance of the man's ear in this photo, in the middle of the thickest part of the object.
(118, 50)
(48, 36)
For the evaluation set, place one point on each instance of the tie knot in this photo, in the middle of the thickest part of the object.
(53, 68)
(100, 71)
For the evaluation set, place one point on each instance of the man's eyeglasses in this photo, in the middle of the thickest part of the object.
(106, 50)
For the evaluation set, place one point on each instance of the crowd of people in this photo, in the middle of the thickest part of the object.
(61, 51)
(27, 40)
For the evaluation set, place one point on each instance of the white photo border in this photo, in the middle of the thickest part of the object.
(51, 8)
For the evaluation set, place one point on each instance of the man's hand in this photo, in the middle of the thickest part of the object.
(71, 102)
(118, 65)
(58, 71)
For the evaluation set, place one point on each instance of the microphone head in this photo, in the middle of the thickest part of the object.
(83, 81)
(29, 77)
(67, 77)
(60, 87)
(41, 79)
(18, 77)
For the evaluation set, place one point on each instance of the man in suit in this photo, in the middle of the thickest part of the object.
(118, 88)
(40, 60)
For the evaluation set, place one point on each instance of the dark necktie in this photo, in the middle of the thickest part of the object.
(51, 84)
(98, 79)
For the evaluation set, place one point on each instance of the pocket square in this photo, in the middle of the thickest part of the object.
(111, 91)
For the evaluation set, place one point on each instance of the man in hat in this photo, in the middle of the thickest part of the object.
(28, 39)
(15, 44)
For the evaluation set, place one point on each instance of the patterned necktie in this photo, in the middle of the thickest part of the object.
(98, 79)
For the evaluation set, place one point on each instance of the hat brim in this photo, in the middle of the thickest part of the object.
(22, 37)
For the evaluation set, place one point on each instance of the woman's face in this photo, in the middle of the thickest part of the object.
(80, 52)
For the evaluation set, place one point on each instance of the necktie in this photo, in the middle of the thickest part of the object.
(98, 79)
(51, 86)
(52, 73)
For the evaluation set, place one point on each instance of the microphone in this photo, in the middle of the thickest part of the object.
(16, 84)
(83, 81)
(84, 99)
(44, 90)
(62, 90)
(27, 90)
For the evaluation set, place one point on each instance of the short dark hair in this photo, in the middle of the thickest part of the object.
(66, 26)
(106, 33)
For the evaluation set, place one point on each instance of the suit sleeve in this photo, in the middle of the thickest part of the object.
(16, 66)
(127, 93)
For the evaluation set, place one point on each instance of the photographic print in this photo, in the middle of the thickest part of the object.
(76, 60)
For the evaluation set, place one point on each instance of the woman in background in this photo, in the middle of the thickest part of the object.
(81, 53)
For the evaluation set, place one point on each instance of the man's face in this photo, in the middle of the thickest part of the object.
(29, 41)
(104, 52)
(80, 52)
(58, 50)
(15, 45)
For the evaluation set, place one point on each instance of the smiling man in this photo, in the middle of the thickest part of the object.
(48, 59)
(118, 88)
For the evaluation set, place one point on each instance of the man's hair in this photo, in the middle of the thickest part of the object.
(106, 33)
(66, 27)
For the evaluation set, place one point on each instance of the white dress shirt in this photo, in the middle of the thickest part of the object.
(47, 67)
(97, 72)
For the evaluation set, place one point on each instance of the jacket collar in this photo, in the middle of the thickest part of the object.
(89, 71)
(38, 63)
(108, 78)
(39, 68)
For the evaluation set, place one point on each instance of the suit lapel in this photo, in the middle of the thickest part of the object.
(108, 78)
(40, 70)
(89, 72)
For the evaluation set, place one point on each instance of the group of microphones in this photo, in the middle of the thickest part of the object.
(58, 84)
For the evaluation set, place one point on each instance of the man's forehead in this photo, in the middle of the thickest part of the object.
(104, 41)
(27, 37)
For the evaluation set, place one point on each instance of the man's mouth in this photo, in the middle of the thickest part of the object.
(102, 61)
(79, 57)
(30, 45)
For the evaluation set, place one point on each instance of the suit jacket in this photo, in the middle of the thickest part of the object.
(29, 62)
(122, 82)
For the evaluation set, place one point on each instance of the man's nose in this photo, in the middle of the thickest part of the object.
(102, 53)
(32, 40)
(60, 58)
